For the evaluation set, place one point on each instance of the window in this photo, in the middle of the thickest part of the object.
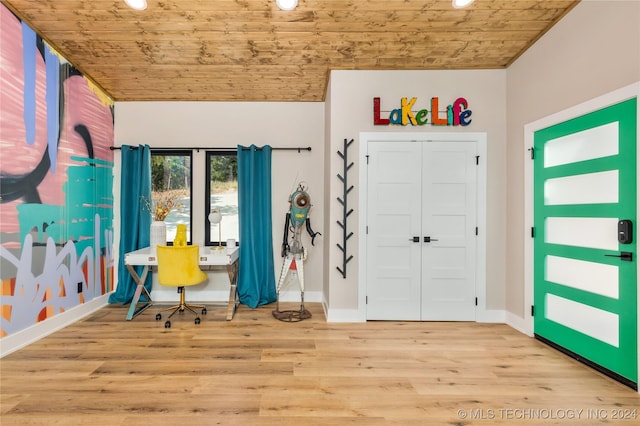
(171, 180)
(222, 196)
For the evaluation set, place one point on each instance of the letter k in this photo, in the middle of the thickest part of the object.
(407, 114)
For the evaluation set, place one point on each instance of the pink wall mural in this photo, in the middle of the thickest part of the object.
(56, 175)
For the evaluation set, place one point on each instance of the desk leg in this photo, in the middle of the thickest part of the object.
(139, 290)
(232, 270)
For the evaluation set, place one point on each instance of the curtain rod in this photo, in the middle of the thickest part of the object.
(299, 149)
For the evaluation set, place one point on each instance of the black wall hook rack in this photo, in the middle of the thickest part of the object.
(345, 210)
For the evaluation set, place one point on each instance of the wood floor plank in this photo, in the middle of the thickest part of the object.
(175, 403)
(283, 387)
(15, 367)
(256, 370)
(182, 367)
(234, 420)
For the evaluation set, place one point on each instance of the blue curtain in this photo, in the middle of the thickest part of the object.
(135, 218)
(256, 276)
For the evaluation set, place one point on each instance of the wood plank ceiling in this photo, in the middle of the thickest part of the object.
(249, 50)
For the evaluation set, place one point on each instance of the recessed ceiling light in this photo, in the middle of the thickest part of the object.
(287, 4)
(136, 4)
(459, 4)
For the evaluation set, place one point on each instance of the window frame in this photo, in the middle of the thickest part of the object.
(176, 153)
(207, 208)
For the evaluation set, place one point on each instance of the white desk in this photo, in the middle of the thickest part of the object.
(209, 259)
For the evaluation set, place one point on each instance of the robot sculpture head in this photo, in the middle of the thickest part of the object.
(296, 217)
(300, 205)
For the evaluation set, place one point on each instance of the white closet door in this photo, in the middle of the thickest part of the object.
(419, 192)
(449, 222)
(394, 204)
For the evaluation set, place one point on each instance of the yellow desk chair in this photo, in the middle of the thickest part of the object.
(178, 267)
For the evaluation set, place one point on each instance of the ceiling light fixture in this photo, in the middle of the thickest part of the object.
(287, 4)
(136, 4)
(459, 4)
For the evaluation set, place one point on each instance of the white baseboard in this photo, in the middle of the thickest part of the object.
(22, 338)
(492, 316)
(519, 324)
(344, 315)
(355, 315)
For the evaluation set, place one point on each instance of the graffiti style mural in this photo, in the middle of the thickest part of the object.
(56, 175)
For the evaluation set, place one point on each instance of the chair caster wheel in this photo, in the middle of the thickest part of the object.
(158, 317)
(204, 311)
(197, 321)
(167, 324)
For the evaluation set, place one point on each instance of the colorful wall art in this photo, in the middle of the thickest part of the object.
(56, 176)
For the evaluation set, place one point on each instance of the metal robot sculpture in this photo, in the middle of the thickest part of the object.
(294, 253)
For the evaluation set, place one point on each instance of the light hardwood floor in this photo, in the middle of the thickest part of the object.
(256, 370)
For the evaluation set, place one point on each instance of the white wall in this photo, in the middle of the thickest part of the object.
(593, 50)
(228, 124)
(350, 97)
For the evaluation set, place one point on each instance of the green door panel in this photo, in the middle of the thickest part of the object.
(619, 355)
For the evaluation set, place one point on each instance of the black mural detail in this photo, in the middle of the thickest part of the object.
(84, 133)
(25, 186)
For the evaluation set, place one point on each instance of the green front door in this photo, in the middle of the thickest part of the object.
(585, 278)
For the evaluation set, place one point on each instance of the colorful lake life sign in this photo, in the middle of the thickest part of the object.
(455, 114)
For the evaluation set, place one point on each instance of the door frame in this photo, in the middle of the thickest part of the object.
(611, 98)
(482, 314)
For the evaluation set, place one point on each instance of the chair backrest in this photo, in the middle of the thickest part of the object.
(178, 266)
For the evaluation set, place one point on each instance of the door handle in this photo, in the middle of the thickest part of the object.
(415, 239)
(429, 239)
(624, 255)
